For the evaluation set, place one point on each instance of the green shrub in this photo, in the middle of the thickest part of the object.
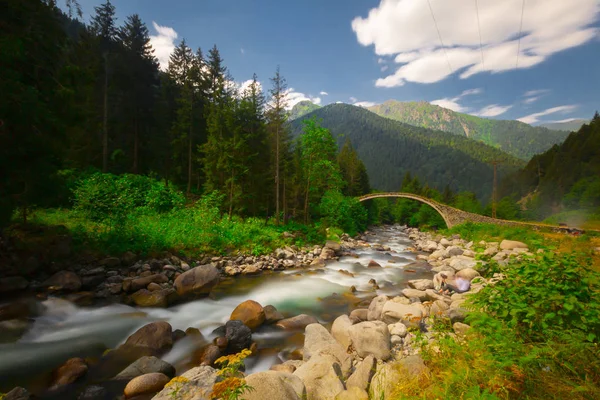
(343, 212)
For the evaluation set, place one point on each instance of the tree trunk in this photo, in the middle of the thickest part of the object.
(105, 118)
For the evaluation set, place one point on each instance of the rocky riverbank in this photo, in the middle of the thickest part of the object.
(370, 350)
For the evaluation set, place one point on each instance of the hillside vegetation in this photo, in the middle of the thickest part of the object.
(390, 149)
(514, 137)
(302, 108)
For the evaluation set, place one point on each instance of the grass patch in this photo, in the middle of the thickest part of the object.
(494, 233)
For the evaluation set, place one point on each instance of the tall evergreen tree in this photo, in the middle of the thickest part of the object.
(353, 171)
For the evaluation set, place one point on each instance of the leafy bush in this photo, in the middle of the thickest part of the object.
(110, 197)
(544, 296)
(343, 212)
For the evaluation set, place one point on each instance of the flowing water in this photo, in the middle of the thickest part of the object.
(65, 330)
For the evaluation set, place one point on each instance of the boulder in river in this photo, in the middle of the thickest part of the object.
(272, 315)
(359, 315)
(210, 354)
(296, 323)
(239, 336)
(362, 374)
(63, 280)
(146, 384)
(69, 372)
(371, 338)
(250, 313)
(143, 282)
(155, 335)
(146, 365)
(373, 264)
(409, 315)
(376, 307)
(197, 383)
(197, 281)
(159, 298)
(272, 385)
(318, 341)
(340, 330)
(322, 377)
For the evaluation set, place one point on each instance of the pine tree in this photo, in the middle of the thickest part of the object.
(353, 171)
(103, 25)
(278, 130)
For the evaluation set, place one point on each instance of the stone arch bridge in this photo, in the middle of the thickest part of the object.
(452, 216)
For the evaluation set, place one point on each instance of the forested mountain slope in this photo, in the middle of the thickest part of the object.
(302, 108)
(565, 177)
(514, 137)
(569, 126)
(389, 149)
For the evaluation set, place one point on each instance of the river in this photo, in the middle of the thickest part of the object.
(65, 330)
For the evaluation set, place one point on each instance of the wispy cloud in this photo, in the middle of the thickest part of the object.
(531, 96)
(364, 104)
(294, 98)
(533, 118)
(163, 43)
(324, 93)
(493, 110)
(452, 103)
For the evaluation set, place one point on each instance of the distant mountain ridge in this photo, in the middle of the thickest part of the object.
(302, 108)
(390, 148)
(514, 137)
(569, 126)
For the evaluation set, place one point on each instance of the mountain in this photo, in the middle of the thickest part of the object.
(302, 108)
(569, 126)
(567, 176)
(390, 148)
(514, 137)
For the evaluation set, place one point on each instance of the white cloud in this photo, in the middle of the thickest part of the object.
(324, 93)
(452, 103)
(536, 92)
(533, 118)
(294, 98)
(531, 100)
(241, 87)
(353, 99)
(384, 68)
(493, 110)
(381, 61)
(364, 104)
(405, 29)
(163, 43)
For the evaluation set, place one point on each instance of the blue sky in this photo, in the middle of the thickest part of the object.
(368, 51)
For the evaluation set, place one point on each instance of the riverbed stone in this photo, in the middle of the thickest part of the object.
(147, 365)
(272, 385)
(272, 315)
(322, 377)
(209, 354)
(327, 254)
(69, 372)
(361, 377)
(415, 294)
(376, 307)
(318, 341)
(64, 280)
(409, 315)
(373, 264)
(421, 284)
(467, 273)
(146, 384)
(462, 262)
(454, 251)
(155, 335)
(371, 338)
(195, 384)
(239, 336)
(250, 313)
(159, 298)
(398, 329)
(340, 330)
(438, 308)
(296, 323)
(141, 283)
(17, 393)
(197, 281)
(460, 329)
(512, 244)
(359, 315)
(335, 246)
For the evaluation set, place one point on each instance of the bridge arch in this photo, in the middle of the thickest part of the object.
(433, 204)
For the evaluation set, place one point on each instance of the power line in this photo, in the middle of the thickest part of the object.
(479, 29)
(440, 36)
(520, 31)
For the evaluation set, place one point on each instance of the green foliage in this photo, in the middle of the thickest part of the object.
(514, 137)
(544, 296)
(103, 197)
(342, 212)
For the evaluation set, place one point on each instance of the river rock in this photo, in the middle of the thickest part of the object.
(210, 354)
(415, 294)
(327, 254)
(512, 244)
(398, 329)
(339, 330)
(195, 384)
(359, 315)
(454, 251)
(272, 385)
(456, 314)
(110, 262)
(64, 280)
(69, 372)
(389, 376)
(147, 365)
(17, 393)
(155, 335)
(371, 338)
(409, 315)
(460, 329)
(146, 384)
(142, 283)
(445, 242)
(159, 298)
(353, 393)
(467, 273)
(421, 284)
(318, 341)
(322, 377)
(318, 263)
(438, 308)
(272, 315)
(239, 336)
(376, 307)
(197, 281)
(296, 323)
(335, 246)
(373, 264)
(462, 262)
(362, 374)
(433, 295)
(250, 313)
